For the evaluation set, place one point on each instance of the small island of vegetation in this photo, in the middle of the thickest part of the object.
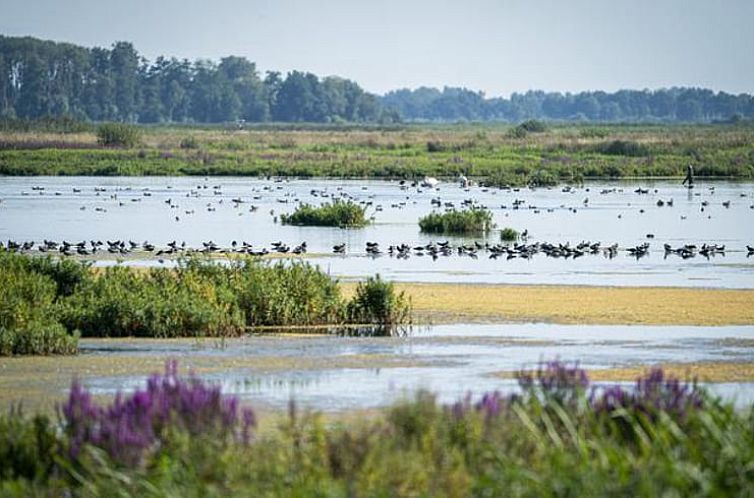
(457, 222)
(509, 234)
(341, 214)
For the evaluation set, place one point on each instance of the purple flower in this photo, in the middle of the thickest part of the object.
(555, 380)
(654, 393)
(134, 425)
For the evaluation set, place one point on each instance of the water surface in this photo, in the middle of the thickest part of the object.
(196, 210)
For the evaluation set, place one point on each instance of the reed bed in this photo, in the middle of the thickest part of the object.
(46, 304)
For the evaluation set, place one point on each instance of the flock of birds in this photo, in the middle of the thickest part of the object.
(122, 196)
(434, 250)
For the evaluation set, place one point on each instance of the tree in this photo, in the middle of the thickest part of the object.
(124, 63)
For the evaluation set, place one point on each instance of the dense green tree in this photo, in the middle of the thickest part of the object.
(42, 78)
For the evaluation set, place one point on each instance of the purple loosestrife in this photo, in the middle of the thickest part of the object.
(555, 380)
(135, 424)
(654, 393)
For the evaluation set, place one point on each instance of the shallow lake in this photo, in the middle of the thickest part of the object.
(196, 210)
(450, 360)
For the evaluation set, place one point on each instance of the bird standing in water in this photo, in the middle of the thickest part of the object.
(689, 176)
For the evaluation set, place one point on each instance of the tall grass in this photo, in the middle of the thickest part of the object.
(457, 222)
(561, 153)
(340, 214)
(376, 302)
(118, 135)
(46, 304)
(558, 435)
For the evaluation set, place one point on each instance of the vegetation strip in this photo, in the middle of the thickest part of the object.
(661, 437)
(439, 303)
(46, 304)
(564, 153)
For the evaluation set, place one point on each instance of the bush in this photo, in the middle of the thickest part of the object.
(533, 126)
(28, 314)
(159, 303)
(517, 132)
(622, 148)
(292, 293)
(435, 146)
(27, 446)
(189, 142)
(469, 221)
(45, 304)
(67, 274)
(377, 303)
(335, 214)
(118, 135)
(509, 234)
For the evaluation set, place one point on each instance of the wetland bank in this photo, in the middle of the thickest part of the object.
(220, 274)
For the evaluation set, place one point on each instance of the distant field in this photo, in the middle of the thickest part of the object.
(496, 154)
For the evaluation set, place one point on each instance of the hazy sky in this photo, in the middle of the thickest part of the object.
(495, 46)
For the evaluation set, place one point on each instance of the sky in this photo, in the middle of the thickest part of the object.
(498, 47)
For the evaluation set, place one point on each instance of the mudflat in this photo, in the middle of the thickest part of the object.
(443, 303)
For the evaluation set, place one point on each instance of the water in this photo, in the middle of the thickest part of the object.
(338, 373)
(449, 360)
(617, 216)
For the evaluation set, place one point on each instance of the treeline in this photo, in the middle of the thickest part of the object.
(685, 105)
(42, 78)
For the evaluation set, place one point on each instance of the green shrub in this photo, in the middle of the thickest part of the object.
(340, 214)
(189, 142)
(517, 132)
(118, 135)
(435, 146)
(287, 293)
(622, 148)
(27, 446)
(28, 314)
(376, 302)
(67, 274)
(533, 126)
(509, 234)
(45, 304)
(468, 221)
(159, 303)
(543, 178)
(593, 132)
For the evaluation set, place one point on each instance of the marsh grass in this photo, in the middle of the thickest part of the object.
(45, 304)
(118, 135)
(457, 222)
(562, 153)
(376, 302)
(341, 214)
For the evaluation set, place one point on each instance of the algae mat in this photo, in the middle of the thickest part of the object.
(437, 303)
